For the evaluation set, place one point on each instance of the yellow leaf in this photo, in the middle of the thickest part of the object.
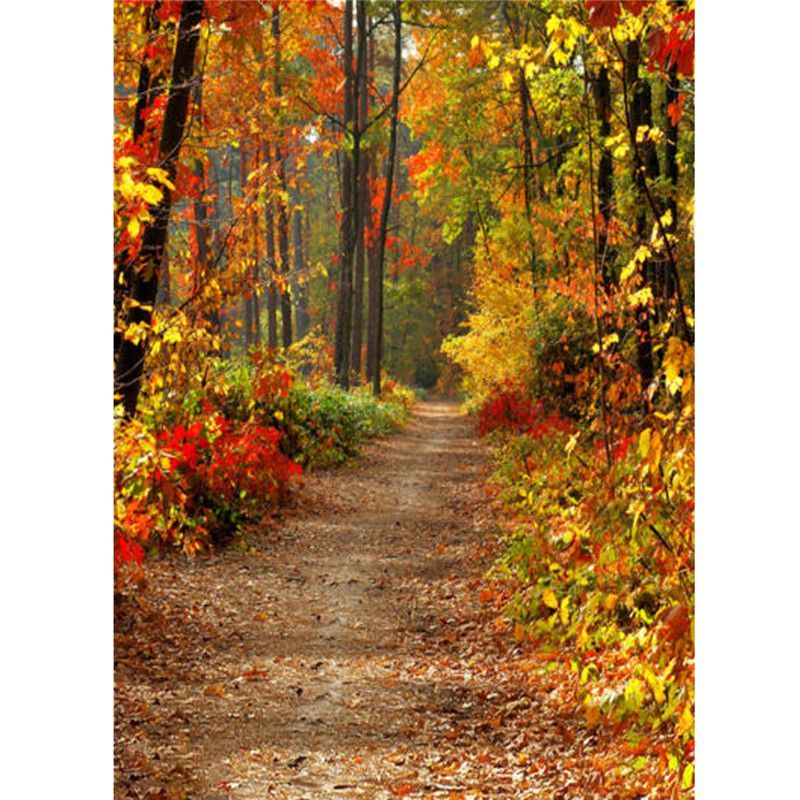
(507, 78)
(134, 227)
(152, 194)
(644, 442)
(565, 612)
(641, 298)
(656, 448)
(475, 41)
(628, 270)
(572, 443)
(549, 599)
(161, 176)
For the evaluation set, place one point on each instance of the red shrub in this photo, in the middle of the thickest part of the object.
(511, 408)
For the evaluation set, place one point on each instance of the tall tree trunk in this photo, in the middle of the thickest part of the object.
(387, 198)
(671, 170)
(343, 308)
(605, 178)
(299, 278)
(145, 94)
(637, 117)
(202, 221)
(372, 250)
(362, 200)
(528, 174)
(256, 270)
(247, 302)
(130, 359)
(283, 214)
(271, 267)
(283, 247)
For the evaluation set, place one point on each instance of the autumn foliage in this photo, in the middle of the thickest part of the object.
(539, 258)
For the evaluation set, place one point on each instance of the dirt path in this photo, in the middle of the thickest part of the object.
(347, 654)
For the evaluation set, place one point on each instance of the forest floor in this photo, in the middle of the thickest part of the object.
(347, 652)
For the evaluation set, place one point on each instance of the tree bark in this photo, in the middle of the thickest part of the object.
(638, 114)
(283, 214)
(343, 308)
(130, 359)
(270, 267)
(247, 304)
(372, 250)
(605, 178)
(671, 170)
(362, 200)
(145, 94)
(387, 198)
(299, 277)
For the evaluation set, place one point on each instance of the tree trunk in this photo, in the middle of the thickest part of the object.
(130, 359)
(299, 278)
(605, 178)
(283, 247)
(271, 267)
(283, 215)
(387, 198)
(145, 94)
(343, 308)
(637, 117)
(671, 169)
(247, 303)
(362, 200)
(372, 250)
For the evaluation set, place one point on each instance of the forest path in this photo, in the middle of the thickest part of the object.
(348, 653)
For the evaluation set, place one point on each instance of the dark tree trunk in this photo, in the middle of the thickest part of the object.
(271, 267)
(528, 174)
(283, 214)
(247, 302)
(362, 201)
(372, 250)
(298, 273)
(671, 169)
(202, 224)
(638, 113)
(387, 198)
(256, 270)
(343, 308)
(130, 359)
(145, 94)
(605, 178)
(283, 247)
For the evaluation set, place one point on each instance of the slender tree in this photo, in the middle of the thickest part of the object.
(146, 91)
(271, 267)
(343, 307)
(283, 212)
(130, 357)
(387, 197)
(639, 114)
(363, 197)
(605, 177)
